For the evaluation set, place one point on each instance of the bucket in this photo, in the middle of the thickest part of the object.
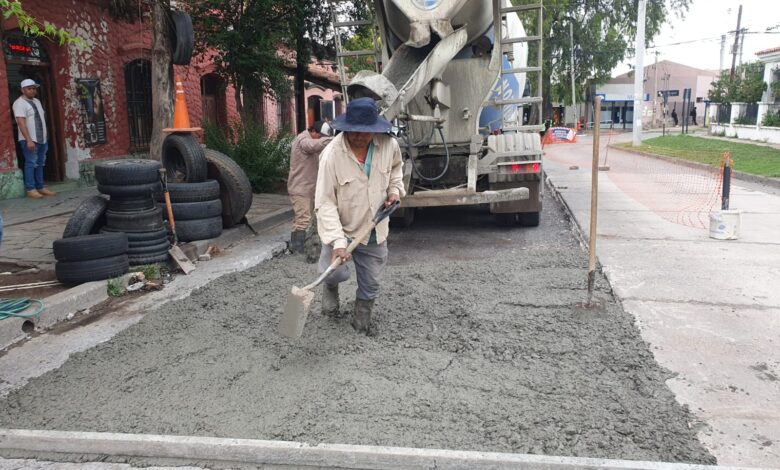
(724, 225)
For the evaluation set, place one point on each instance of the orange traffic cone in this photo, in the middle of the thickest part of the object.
(181, 118)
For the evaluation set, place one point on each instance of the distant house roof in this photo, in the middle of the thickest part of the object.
(768, 51)
(675, 69)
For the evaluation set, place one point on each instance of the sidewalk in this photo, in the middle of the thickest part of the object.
(709, 309)
(32, 225)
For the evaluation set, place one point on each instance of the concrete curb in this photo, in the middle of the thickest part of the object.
(282, 454)
(57, 308)
(773, 182)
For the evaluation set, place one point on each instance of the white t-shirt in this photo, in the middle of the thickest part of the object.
(24, 108)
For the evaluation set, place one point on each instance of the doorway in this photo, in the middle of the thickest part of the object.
(26, 58)
(138, 88)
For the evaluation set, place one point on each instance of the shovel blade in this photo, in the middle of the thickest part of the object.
(181, 259)
(296, 310)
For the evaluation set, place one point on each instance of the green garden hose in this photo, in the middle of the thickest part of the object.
(13, 308)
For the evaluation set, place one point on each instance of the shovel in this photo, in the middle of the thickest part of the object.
(178, 256)
(299, 300)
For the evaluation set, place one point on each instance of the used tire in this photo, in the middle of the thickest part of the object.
(147, 259)
(89, 247)
(131, 204)
(127, 172)
(182, 38)
(193, 210)
(78, 272)
(192, 192)
(199, 229)
(182, 157)
(156, 249)
(88, 218)
(145, 243)
(235, 190)
(132, 191)
(137, 237)
(141, 221)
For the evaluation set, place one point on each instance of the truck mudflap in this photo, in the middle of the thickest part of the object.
(463, 197)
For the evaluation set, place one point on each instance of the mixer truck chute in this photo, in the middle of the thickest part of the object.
(452, 75)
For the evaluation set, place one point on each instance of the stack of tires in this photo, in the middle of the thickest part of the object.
(90, 258)
(208, 190)
(197, 210)
(131, 209)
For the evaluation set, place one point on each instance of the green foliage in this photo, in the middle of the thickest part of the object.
(746, 86)
(604, 32)
(775, 87)
(242, 38)
(150, 271)
(265, 159)
(32, 27)
(743, 121)
(771, 119)
(749, 158)
(116, 287)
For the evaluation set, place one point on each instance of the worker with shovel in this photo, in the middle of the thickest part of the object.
(360, 172)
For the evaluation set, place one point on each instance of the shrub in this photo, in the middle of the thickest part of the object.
(265, 159)
(771, 119)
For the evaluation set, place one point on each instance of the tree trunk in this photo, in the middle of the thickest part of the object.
(162, 96)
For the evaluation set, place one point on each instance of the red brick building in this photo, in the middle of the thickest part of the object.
(97, 97)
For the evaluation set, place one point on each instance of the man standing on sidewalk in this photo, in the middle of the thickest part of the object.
(304, 161)
(32, 138)
(360, 171)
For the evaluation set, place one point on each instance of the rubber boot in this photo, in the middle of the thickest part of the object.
(297, 239)
(361, 319)
(330, 300)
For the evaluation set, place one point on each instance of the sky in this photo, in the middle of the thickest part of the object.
(702, 27)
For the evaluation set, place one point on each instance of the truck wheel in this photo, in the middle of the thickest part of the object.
(529, 219)
(403, 220)
(506, 219)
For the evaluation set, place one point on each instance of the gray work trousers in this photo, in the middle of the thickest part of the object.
(369, 262)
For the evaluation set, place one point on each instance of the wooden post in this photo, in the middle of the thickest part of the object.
(594, 200)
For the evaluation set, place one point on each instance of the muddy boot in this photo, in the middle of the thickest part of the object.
(330, 300)
(361, 319)
(297, 238)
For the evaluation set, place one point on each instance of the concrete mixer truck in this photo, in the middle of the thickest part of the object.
(452, 75)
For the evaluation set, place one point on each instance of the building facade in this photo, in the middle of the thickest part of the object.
(665, 78)
(97, 96)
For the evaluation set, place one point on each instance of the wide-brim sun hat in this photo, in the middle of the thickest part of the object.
(362, 116)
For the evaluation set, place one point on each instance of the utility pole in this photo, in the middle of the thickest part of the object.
(742, 43)
(736, 43)
(655, 87)
(639, 73)
(573, 86)
(722, 51)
